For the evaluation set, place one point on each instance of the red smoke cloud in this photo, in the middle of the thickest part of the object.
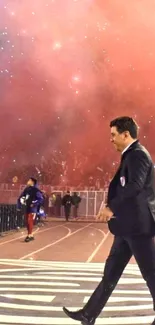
(69, 67)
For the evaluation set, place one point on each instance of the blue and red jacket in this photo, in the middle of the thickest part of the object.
(31, 198)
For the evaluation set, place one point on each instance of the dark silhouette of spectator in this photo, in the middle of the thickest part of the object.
(76, 199)
(58, 204)
(67, 203)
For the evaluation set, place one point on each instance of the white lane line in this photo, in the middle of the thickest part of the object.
(40, 298)
(59, 309)
(18, 264)
(63, 266)
(38, 283)
(41, 231)
(83, 265)
(56, 242)
(122, 299)
(59, 263)
(68, 278)
(66, 321)
(96, 272)
(96, 265)
(97, 248)
(64, 273)
(51, 290)
(133, 292)
(44, 275)
(88, 291)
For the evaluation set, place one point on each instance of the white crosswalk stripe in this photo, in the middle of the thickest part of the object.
(34, 292)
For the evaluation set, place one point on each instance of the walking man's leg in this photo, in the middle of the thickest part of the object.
(117, 260)
(143, 248)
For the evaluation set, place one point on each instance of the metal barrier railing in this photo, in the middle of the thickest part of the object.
(10, 218)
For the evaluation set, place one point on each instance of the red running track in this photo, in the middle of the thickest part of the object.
(60, 241)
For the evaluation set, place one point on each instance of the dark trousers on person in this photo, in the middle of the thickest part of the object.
(75, 211)
(67, 211)
(143, 249)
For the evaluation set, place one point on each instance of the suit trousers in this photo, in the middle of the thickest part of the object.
(67, 209)
(143, 249)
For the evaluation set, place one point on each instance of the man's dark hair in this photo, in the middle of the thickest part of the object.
(33, 180)
(125, 123)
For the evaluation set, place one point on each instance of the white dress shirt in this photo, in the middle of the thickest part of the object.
(128, 147)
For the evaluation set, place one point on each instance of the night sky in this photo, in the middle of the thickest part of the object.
(67, 67)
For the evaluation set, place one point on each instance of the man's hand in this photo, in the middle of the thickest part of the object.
(104, 215)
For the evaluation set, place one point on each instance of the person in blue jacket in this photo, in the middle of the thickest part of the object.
(31, 198)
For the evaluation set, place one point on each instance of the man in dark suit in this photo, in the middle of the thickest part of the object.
(67, 203)
(130, 213)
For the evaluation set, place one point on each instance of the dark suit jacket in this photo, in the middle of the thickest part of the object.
(131, 195)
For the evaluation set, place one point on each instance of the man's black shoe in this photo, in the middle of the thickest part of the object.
(153, 322)
(76, 315)
(79, 316)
